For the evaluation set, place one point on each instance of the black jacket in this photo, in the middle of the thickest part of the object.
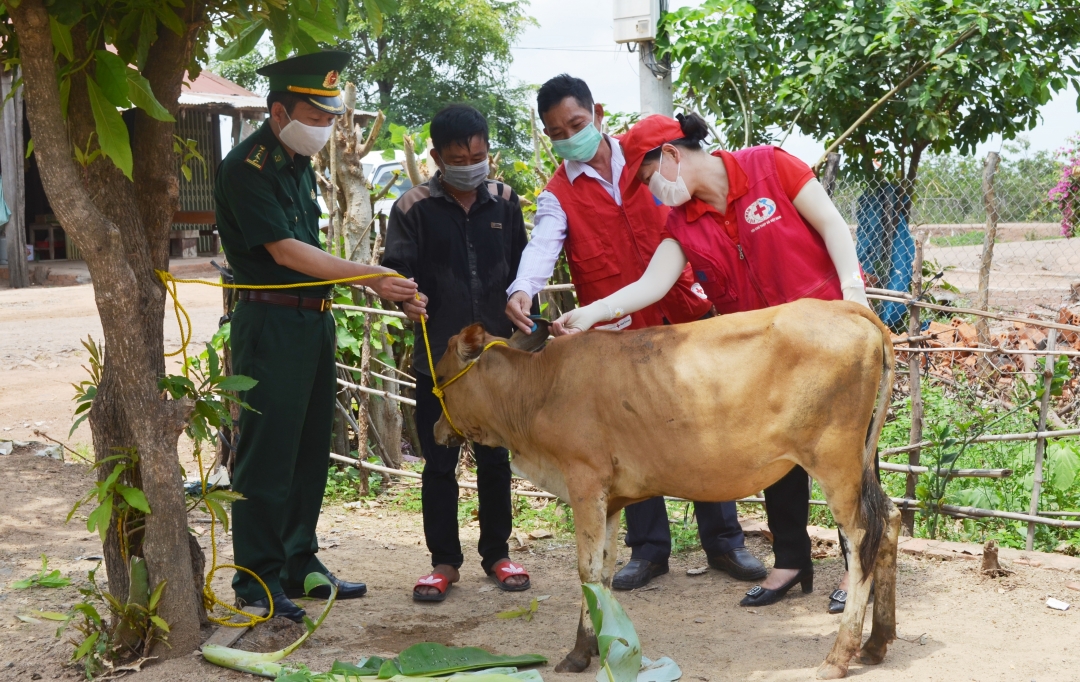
(463, 263)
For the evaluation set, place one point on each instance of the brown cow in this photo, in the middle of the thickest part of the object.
(712, 410)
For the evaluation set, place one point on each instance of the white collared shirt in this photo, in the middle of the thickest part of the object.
(549, 226)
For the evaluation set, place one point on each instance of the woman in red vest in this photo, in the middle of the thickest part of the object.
(758, 230)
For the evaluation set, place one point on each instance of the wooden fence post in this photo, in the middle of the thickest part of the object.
(915, 389)
(1040, 443)
(828, 180)
(982, 298)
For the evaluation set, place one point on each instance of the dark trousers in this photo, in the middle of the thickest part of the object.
(284, 451)
(649, 537)
(787, 505)
(439, 491)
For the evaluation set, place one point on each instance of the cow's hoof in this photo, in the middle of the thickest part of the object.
(871, 654)
(572, 664)
(831, 671)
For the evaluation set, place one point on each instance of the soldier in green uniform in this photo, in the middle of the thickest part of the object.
(268, 219)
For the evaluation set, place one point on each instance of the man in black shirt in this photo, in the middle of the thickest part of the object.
(460, 236)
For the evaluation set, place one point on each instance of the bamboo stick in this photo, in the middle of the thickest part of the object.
(913, 471)
(376, 374)
(1040, 443)
(373, 311)
(412, 474)
(381, 394)
(915, 389)
(1003, 351)
(997, 438)
(393, 380)
(989, 236)
(905, 502)
(904, 298)
(395, 369)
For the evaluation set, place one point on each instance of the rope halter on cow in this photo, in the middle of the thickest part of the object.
(439, 391)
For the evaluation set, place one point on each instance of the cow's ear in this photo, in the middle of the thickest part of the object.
(533, 341)
(470, 342)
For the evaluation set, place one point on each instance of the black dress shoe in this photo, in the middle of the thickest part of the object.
(759, 596)
(739, 564)
(283, 607)
(345, 590)
(637, 573)
(838, 600)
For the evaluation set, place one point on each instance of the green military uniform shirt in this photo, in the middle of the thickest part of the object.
(283, 453)
(264, 196)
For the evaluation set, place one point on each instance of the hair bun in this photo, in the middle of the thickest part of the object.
(694, 128)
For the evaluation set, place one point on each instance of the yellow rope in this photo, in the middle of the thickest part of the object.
(183, 320)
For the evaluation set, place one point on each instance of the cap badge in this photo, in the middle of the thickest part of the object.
(331, 80)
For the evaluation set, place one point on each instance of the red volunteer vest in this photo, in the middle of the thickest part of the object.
(609, 246)
(778, 258)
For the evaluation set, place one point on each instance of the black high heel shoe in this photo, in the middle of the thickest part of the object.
(759, 596)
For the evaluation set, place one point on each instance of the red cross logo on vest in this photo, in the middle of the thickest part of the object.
(759, 211)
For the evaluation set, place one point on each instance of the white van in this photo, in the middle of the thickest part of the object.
(379, 171)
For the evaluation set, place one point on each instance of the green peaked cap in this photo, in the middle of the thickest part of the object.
(314, 77)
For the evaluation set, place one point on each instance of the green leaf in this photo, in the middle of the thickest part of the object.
(309, 624)
(101, 516)
(61, 38)
(160, 623)
(151, 605)
(111, 75)
(245, 42)
(28, 619)
(65, 94)
(89, 611)
(618, 642)
(224, 495)
(29, 148)
(218, 512)
(1063, 465)
(134, 497)
(169, 18)
(314, 580)
(86, 645)
(111, 131)
(429, 658)
(236, 382)
(52, 615)
(142, 96)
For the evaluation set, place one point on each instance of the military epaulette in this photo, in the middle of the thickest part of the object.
(257, 156)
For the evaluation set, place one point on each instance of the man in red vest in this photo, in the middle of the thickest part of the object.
(610, 230)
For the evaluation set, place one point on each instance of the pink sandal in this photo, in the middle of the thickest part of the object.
(439, 582)
(505, 569)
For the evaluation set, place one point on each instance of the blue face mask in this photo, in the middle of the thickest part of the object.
(582, 145)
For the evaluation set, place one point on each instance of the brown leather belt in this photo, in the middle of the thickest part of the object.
(310, 303)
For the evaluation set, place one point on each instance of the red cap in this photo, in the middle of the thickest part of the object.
(646, 135)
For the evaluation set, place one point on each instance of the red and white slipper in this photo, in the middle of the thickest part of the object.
(506, 568)
(439, 582)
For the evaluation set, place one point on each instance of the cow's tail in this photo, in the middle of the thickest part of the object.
(874, 505)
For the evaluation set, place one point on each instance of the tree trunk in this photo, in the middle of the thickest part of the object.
(11, 163)
(121, 228)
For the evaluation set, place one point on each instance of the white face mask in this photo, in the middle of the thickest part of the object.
(671, 193)
(304, 139)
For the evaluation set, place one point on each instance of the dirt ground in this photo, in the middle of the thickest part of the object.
(954, 623)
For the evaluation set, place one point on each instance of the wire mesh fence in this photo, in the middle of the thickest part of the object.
(1030, 264)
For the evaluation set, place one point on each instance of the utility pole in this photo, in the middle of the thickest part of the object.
(654, 78)
(636, 22)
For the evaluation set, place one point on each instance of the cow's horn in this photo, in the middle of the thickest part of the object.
(534, 341)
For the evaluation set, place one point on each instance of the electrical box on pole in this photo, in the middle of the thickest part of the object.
(636, 20)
